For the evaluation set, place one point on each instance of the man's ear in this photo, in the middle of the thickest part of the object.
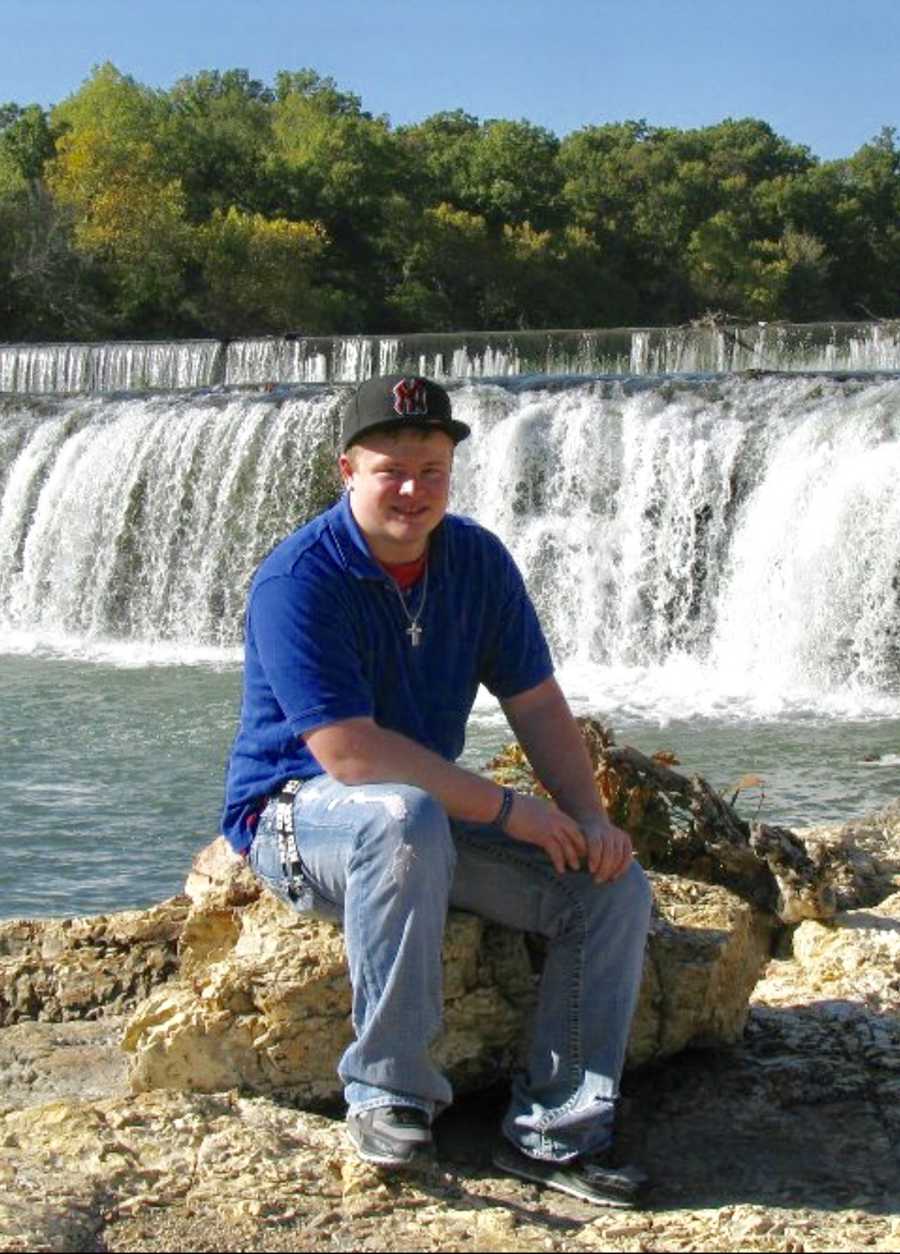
(345, 466)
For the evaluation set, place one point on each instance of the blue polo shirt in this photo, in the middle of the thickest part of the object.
(326, 640)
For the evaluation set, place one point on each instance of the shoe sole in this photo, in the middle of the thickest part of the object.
(418, 1157)
(533, 1176)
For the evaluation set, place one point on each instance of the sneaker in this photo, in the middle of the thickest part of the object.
(590, 1177)
(391, 1136)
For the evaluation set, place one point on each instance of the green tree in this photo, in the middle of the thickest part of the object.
(338, 165)
(868, 263)
(128, 213)
(26, 143)
(447, 273)
(505, 171)
(215, 138)
(259, 275)
(46, 290)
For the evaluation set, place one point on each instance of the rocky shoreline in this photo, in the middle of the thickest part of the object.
(773, 1124)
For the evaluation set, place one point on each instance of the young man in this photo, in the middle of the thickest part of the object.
(368, 632)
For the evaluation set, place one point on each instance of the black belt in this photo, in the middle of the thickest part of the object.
(291, 866)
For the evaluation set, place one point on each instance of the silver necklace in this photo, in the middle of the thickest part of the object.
(414, 631)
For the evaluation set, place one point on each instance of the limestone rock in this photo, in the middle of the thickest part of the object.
(855, 957)
(735, 1169)
(220, 875)
(263, 1002)
(706, 950)
(825, 1024)
(273, 1013)
(863, 856)
(60, 969)
(41, 1062)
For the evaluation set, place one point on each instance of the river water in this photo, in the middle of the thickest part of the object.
(715, 560)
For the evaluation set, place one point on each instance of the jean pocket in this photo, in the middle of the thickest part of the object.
(301, 896)
(298, 891)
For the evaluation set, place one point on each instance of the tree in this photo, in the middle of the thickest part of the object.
(337, 165)
(26, 143)
(215, 138)
(868, 264)
(46, 290)
(505, 171)
(437, 158)
(446, 273)
(128, 213)
(258, 275)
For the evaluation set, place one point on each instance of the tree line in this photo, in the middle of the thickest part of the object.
(225, 207)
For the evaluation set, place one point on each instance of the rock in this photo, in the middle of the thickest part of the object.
(40, 1062)
(168, 1171)
(273, 1013)
(855, 957)
(864, 856)
(787, 1140)
(825, 1026)
(705, 953)
(62, 969)
(263, 1002)
(219, 875)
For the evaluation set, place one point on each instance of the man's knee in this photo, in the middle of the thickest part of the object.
(415, 826)
(636, 882)
(630, 896)
(634, 895)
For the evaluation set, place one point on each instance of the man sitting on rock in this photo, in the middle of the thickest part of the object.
(368, 632)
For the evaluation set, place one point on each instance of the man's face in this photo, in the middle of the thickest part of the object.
(400, 483)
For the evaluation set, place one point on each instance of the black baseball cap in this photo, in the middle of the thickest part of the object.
(391, 401)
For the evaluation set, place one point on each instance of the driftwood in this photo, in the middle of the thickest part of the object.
(681, 825)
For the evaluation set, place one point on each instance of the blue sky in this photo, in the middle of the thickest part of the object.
(822, 75)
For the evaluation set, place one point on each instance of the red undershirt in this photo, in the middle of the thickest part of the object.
(405, 574)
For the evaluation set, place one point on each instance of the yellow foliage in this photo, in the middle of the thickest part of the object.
(124, 209)
(244, 240)
(525, 241)
(446, 217)
(131, 220)
(258, 269)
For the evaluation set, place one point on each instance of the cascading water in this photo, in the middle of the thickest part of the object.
(141, 519)
(743, 530)
(68, 368)
(77, 368)
(725, 546)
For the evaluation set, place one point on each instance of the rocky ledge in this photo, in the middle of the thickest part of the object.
(762, 1092)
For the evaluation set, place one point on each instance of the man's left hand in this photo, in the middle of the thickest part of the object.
(610, 853)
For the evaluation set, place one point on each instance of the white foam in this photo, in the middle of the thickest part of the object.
(124, 654)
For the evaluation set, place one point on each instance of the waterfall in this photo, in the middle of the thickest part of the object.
(67, 368)
(730, 542)
(142, 519)
(739, 536)
(85, 368)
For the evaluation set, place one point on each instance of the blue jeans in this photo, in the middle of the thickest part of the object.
(385, 860)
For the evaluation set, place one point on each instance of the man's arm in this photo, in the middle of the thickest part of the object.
(358, 751)
(545, 728)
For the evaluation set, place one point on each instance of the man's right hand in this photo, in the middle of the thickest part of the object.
(538, 822)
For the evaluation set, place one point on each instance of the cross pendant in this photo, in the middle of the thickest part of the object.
(414, 631)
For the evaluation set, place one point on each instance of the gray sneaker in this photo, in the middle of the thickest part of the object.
(391, 1136)
(590, 1177)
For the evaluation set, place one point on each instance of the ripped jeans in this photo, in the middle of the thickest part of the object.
(385, 860)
